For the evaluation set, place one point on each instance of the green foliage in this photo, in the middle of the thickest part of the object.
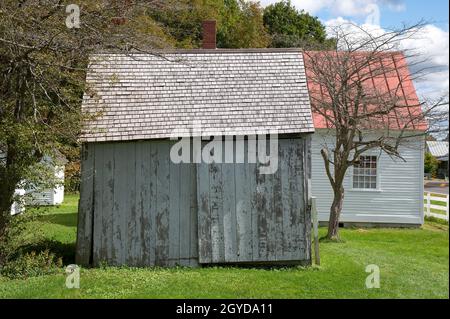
(239, 22)
(42, 79)
(22, 231)
(291, 28)
(182, 19)
(40, 241)
(242, 25)
(72, 173)
(31, 265)
(431, 164)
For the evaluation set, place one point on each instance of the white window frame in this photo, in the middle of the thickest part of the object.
(377, 177)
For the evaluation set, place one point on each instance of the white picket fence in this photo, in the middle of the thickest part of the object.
(428, 206)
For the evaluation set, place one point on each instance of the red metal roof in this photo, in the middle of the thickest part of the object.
(387, 75)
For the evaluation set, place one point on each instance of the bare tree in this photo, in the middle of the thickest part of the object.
(362, 91)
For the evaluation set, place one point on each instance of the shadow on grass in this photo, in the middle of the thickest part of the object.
(65, 251)
(69, 220)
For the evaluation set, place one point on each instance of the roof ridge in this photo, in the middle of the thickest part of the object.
(203, 51)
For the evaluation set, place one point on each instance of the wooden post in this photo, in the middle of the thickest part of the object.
(315, 230)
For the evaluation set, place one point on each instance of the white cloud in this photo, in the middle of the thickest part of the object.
(347, 8)
(429, 50)
(431, 43)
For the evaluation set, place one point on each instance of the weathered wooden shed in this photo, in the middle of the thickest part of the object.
(139, 207)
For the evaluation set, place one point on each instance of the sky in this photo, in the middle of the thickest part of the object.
(380, 15)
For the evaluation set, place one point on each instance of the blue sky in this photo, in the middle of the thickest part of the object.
(392, 13)
(433, 11)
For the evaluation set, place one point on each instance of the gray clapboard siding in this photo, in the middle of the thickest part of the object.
(137, 206)
(268, 209)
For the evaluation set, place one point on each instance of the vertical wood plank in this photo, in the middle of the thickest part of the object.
(120, 204)
(85, 207)
(185, 215)
(150, 233)
(174, 214)
(194, 229)
(278, 206)
(286, 200)
(229, 213)
(204, 217)
(131, 220)
(299, 198)
(243, 213)
(141, 202)
(216, 212)
(253, 171)
(261, 207)
(108, 200)
(163, 205)
(98, 226)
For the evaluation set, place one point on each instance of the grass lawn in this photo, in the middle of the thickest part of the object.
(413, 264)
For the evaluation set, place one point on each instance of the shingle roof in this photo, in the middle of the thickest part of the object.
(237, 92)
(438, 148)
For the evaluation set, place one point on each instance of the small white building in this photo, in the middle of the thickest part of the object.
(49, 196)
(39, 196)
(18, 206)
(384, 191)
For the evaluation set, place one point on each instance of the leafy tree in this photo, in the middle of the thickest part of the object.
(292, 28)
(431, 164)
(239, 22)
(242, 25)
(42, 78)
(183, 19)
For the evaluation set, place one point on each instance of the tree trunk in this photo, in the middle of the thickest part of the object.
(335, 214)
(9, 179)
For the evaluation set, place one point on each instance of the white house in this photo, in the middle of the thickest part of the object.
(381, 190)
(384, 191)
(39, 196)
(49, 196)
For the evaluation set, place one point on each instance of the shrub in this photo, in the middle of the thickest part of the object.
(431, 164)
(32, 264)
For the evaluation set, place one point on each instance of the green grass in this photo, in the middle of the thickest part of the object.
(413, 264)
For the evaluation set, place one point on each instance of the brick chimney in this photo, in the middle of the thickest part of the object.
(209, 34)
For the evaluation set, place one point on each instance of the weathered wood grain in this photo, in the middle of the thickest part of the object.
(252, 217)
(138, 208)
(85, 208)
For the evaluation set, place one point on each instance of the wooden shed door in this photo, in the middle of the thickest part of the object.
(245, 216)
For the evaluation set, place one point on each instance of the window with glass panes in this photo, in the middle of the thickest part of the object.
(365, 173)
